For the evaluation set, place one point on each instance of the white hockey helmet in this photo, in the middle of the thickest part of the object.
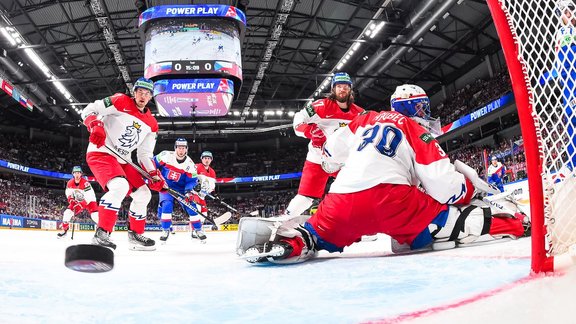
(180, 141)
(411, 100)
(562, 6)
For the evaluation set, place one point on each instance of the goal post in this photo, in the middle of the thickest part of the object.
(537, 38)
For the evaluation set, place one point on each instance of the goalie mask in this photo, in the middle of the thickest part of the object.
(411, 100)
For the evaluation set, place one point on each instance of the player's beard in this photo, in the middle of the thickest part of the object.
(343, 98)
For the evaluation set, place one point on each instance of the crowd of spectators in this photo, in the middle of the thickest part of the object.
(19, 197)
(41, 154)
(471, 97)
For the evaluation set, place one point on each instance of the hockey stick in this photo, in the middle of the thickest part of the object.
(218, 199)
(181, 198)
(72, 222)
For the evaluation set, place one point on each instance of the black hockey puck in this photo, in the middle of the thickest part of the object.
(89, 258)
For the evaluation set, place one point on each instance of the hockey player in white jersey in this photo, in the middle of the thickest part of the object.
(80, 195)
(123, 124)
(394, 179)
(179, 171)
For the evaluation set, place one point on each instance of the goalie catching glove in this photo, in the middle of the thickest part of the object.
(277, 239)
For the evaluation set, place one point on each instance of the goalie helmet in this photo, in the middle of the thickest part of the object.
(562, 6)
(144, 84)
(411, 100)
(77, 168)
(341, 78)
(180, 142)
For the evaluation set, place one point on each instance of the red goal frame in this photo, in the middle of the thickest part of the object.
(541, 261)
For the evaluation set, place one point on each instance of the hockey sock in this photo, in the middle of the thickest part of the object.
(137, 225)
(65, 226)
(107, 218)
(196, 225)
(166, 224)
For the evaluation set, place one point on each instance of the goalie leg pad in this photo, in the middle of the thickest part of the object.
(465, 224)
(252, 232)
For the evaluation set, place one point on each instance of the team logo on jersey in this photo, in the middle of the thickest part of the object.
(342, 124)
(131, 136)
(173, 175)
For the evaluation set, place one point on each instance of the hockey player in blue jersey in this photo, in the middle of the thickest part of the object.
(180, 174)
(495, 173)
(565, 71)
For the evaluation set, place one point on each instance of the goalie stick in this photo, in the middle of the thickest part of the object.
(218, 199)
(178, 196)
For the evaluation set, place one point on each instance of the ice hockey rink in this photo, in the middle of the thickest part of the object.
(188, 282)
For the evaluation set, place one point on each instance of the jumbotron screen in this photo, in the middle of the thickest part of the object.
(199, 46)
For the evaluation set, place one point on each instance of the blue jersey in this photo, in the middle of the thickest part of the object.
(181, 177)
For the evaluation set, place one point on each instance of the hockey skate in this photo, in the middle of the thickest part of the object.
(199, 235)
(164, 236)
(139, 242)
(63, 234)
(102, 237)
(268, 251)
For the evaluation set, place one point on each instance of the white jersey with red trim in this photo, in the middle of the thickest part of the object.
(207, 177)
(328, 116)
(127, 128)
(389, 147)
(81, 189)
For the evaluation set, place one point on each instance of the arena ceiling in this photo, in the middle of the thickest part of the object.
(429, 43)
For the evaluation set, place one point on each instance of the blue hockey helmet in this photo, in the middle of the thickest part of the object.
(206, 154)
(341, 78)
(180, 141)
(494, 158)
(411, 100)
(144, 84)
(77, 168)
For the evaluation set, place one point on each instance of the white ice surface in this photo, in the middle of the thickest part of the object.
(187, 282)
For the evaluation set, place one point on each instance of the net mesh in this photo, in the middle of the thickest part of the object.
(545, 32)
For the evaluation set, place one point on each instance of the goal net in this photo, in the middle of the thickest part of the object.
(539, 42)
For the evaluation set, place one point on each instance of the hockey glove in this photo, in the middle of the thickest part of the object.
(157, 183)
(77, 206)
(315, 134)
(193, 198)
(96, 129)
